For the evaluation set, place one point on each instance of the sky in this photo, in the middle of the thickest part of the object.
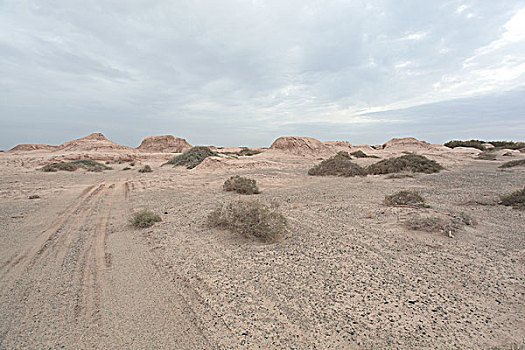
(244, 72)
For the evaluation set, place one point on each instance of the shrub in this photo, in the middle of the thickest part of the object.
(361, 154)
(405, 198)
(242, 185)
(126, 168)
(448, 224)
(338, 165)
(246, 152)
(144, 218)
(34, 196)
(192, 157)
(515, 199)
(409, 162)
(145, 169)
(88, 164)
(472, 143)
(486, 155)
(513, 163)
(132, 164)
(401, 175)
(507, 144)
(250, 219)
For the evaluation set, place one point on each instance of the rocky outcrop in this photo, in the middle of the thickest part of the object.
(164, 144)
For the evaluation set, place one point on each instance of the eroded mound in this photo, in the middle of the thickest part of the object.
(93, 142)
(300, 146)
(32, 147)
(406, 143)
(164, 144)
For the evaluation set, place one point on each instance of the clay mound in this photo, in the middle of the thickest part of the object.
(33, 147)
(164, 144)
(406, 143)
(93, 142)
(301, 146)
(339, 145)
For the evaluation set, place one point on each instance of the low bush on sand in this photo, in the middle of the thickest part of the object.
(192, 157)
(244, 152)
(361, 154)
(448, 225)
(250, 219)
(407, 163)
(405, 198)
(126, 168)
(338, 165)
(486, 155)
(145, 169)
(472, 143)
(144, 218)
(515, 199)
(513, 163)
(401, 175)
(242, 185)
(88, 164)
(507, 144)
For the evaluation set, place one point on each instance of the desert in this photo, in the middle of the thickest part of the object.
(348, 272)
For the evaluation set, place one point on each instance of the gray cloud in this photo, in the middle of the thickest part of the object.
(245, 72)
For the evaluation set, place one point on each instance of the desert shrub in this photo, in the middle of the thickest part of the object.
(192, 157)
(515, 199)
(126, 168)
(246, 152)
(251, 219)
(361, 154)
(88, 164)
(408, 198)
(409, 162)
(145, 169)
(401, 175)
(241, 185)
(472, 143)
(448, 224)
(507, 144)
(338, 165)
(486, 155)
(144, 218)
(132, 164)
(34, 196)
(513, 163)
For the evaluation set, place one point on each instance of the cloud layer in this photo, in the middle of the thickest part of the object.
(242, 72)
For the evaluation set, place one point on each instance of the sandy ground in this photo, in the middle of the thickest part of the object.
(74, 274)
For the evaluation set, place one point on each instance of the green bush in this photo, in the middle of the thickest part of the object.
(472, 143)
(513, 163)
(507, 144)
(88, 164)
(126, 168)
(144, 218)
(405, 198)
(192, 157)
(242, 185)
(338, 165)
(407, 163)
(515, 199)
(250, 219)
(145, 169)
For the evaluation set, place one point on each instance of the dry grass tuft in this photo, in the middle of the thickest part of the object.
(144, 218)
(513, 163)
(242, 185)
(251, 219)
(145, 169)
(406, 198)
(88, 164)
(448, 224)
(338, 165)
(515, 199)
(192, 157)
(407, 163)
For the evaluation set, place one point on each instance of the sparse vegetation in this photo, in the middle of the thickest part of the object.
(361, 154)
(132, 164)
(472, 143)
(192, 157)
(242, 185)
(250, 219)
(449, 224)
(126, 168)
(144, 218)
(513, 163)
(410, 162)
(338, 165)
(515, 199)
(401, 175)
(244, 152)
(405, 198)
(145, 169)
(88, 164)
(34, 196)
(486, 155)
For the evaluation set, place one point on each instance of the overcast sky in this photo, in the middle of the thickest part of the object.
(244, 72)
